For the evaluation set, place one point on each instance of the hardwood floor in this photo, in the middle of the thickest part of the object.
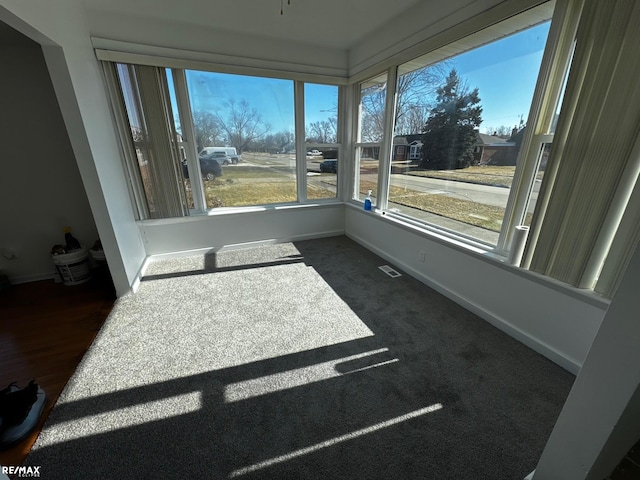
(45, 329)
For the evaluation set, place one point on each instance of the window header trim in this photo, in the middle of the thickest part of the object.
(125, 52)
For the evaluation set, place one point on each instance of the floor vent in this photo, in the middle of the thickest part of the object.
(390, 271)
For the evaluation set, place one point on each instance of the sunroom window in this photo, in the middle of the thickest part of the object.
(370, 136)
(467, 106)
(253, 116)
(201, 140)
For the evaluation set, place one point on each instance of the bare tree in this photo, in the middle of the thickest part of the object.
(415, 94)
(242, 124)
(372, 112)
(207, 129)
(323, 131)
(275, 142)
(412, 119)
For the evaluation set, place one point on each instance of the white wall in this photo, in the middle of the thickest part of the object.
(600, 421)
(551, 320)
(61, 28)
(40, 187)
(268, 224)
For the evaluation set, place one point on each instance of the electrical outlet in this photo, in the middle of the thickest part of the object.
(422, 256)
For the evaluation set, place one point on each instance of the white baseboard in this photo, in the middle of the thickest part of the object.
(236, 246)
(530, 476)
(239, 246)
(35, 277)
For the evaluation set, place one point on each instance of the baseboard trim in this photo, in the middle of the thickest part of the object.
(138, 278)
(274, 241)
(35, 277)
(522, 336)
(233, 246)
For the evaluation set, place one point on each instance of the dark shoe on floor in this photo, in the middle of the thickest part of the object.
(20, 411)
(15, 402)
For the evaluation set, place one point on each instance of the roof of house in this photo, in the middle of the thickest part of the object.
(484, 139)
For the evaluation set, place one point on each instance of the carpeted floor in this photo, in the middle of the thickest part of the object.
(299, 361)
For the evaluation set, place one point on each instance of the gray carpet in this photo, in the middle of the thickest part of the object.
(299, 361)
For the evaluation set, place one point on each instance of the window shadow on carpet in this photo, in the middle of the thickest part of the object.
(435, 392)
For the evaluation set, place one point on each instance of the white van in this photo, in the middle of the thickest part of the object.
(229, 151)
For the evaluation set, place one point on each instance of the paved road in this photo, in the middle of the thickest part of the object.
(289, 161)
(488, 195)
(485, 194)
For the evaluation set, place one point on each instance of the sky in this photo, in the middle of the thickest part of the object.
(504, 72)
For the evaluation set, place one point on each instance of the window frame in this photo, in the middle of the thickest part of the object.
(565, 17)
(304, 146)
(549, 83)
(178, 68)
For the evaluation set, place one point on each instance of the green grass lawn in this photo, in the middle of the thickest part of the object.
(234, 173)
(260, 185)
(472, 213)
(489, 175)
(249, 185)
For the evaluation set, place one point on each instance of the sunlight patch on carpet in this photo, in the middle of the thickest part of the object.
(297, 377)
(334, 441)
(122, 418)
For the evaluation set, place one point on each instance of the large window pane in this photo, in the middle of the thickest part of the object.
(254, 116)
(368, 161)
(322, 148)
(459, 126)
(180, 142)
(373, 94)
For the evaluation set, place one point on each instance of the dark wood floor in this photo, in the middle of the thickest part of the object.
(45, 329)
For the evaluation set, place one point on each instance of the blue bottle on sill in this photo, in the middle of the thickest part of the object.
(367, 201)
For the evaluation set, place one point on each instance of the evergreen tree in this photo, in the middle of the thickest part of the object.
(450, 131)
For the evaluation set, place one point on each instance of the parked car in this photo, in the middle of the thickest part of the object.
(220, 157)
(314, 153)
(231, 152)
(210, 169)
(329, 166)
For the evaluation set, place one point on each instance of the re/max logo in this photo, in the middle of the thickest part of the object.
(21, 471)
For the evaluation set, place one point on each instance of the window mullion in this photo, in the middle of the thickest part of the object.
(346, 107)
(553, 69)
(356, 128)
(301, 150)
(386, 148)
(186, 122)
(525, 178)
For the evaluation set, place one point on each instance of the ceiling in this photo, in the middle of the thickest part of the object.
(328, 23)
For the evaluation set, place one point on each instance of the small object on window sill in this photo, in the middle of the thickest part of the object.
(367, 201)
